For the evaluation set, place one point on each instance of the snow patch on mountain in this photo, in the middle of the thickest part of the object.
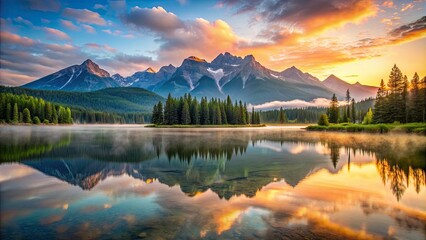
(69, 80)
(217, 75)
(275, 76)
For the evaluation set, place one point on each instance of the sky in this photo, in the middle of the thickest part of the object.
(356, 40)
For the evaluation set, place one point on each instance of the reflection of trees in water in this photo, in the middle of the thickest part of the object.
(400, 176)
(186, 150)
(33, 147)
(334, 153)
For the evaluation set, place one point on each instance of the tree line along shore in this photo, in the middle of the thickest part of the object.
(400, 106)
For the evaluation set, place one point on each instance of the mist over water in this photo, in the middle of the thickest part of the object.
(111, 181)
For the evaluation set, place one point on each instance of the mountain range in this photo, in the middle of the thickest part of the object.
(241, 78)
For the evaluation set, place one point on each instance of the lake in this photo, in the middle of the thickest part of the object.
(131, 182)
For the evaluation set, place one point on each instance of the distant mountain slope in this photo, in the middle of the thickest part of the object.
(149, 78)
(357, 90)
(241, 78)
(116, 100)
(85, 77)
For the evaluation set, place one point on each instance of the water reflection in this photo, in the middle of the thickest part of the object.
(263, 183)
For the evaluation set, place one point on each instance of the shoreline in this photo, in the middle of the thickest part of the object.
(205, 126)
(382, 128)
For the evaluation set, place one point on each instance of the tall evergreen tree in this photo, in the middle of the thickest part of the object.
(404, 101)
(422, 103)
(55, 117)
(333, 111)
(282, 118)
(347, 114)
(204, 112)
(195, 112)
(415, 100)
(380, 105)
(229, 111)
(8, 112)
(160, 113)
(185, 115)
(253, 117)
(353, 110)
(395, 99)
(15, 118)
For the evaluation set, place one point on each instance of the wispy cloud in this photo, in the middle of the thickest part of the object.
(84, 16)
(55, 33)
(69, 25)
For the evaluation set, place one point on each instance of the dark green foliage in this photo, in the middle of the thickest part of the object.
(26, 116)
(333, 111)
(312, 114)
(398, 101)
(204, 112)
(353, 111)
(27, 108)
(36, 120)
(323, 121)
(188, 111)
(185, 117)
(282, 118)
(15, 118)
(110, 100)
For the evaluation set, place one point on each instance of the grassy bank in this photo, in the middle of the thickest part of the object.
(372, 128)
(203, 126)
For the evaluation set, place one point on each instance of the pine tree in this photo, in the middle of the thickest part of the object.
(55, 117)
(160, 114)
(61, 115)
(422, 93)
(282, 116)
(8, 112)
(395, 100)
(26, 115)
(333, 111)
(415, 100)
(204, 112)
(380, 104)
(223, 113)
(68, 116)
(353, 110)
(404, 101)
(154, 118)
(253, 117)
(170, 111)
(185, 115)
(230, 111)
(15, 118)
(195, 112)
(347, 114)
(48, 111)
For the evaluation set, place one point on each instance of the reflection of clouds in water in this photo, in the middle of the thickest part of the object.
(323, 201)
(293, 148)
(10, 172)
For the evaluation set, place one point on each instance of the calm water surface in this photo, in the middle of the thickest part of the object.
(130, 182)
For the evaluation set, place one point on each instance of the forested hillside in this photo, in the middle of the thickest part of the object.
(115, 100)
(111, 105)
(27, 109)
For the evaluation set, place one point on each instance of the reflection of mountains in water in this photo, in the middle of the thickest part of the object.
(229, 164)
